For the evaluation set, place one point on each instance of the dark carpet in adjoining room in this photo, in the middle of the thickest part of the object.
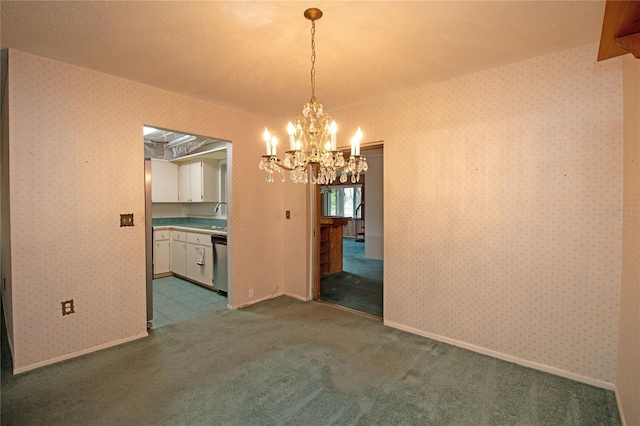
(359, 286)
(353, 291)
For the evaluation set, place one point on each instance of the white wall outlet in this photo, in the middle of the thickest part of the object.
(251, 293)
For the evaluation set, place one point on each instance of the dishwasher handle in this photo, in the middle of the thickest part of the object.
(219, 240)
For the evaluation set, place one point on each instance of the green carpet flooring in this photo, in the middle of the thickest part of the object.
(286, 362)
(359, 285)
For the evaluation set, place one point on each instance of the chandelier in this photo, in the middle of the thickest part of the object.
(312, 140)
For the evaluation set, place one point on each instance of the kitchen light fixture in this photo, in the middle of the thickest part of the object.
(312, 139)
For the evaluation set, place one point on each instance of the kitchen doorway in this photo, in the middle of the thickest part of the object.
(349, 225)
(188, 223)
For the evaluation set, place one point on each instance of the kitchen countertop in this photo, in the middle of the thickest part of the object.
(200, 229)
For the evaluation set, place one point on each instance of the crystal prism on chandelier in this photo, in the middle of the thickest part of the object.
(312, 140)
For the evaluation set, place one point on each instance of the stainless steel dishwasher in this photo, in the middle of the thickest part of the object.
(220, 282)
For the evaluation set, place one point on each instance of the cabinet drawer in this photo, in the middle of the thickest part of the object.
(161, 235)
(179, 236)
(202, 239)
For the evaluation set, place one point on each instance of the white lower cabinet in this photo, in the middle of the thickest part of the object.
(200, 273)
(200, 250)
(161, 253)
(179, 253)
(188, 250)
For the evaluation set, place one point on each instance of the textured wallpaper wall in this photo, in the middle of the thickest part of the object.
(500, 238)
(628, 374)
(76, 164)
(497, 191)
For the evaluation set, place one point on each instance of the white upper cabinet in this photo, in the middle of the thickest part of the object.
(185, 183)
(199, 181)
(164, 181)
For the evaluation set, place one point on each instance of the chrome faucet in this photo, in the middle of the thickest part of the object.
(217, 207)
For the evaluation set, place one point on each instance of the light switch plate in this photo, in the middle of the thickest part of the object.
(126, 219)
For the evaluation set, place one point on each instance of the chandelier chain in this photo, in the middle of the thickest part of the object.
(313, 61)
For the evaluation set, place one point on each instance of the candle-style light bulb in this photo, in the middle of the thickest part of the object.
(274, 142)
(267, 138)
(333, 129)
(291, 130)
(358, 138)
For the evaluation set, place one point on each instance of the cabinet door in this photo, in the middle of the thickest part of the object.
(196, 182)
(210, 180)
(161, 257)
(199, 181)
(164, 181)
(179, 258)
(200, 273)
(184, 181)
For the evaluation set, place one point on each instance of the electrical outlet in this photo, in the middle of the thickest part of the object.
(251, 293)
(288, 214)
(67, 307)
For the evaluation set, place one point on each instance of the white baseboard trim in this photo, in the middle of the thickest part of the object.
(619, 404)
(253, 302)
(77, 354)
(295, 296)
(505, 357)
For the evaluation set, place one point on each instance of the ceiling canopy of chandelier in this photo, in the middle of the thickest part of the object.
(312, 140)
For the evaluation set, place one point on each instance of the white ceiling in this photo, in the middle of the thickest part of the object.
(255, 56)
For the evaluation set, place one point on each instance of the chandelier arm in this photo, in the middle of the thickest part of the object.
(280, 163)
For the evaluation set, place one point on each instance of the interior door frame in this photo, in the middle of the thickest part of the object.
(315, 205)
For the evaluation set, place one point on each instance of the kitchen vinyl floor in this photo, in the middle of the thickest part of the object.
(176, 300)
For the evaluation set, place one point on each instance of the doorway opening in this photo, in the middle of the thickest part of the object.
(187, 226)
(349, 249)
